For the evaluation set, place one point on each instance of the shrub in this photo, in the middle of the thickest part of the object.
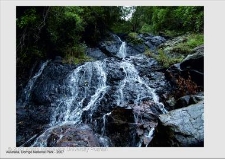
(133, 38)
(146, 29)
(165, 60)
(149, 53)
(195, 40)
(192, 41)
(76, 54)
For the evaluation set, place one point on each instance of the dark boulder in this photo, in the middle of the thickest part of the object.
(157, 40)
(72, 136)
(188, 100)
(152, 41)
(31, 121)
(181, 127)
(96, 53)
(191, 69)
(110, 48)
(58, 59)
(50, 85)
(150, 45)
(134, 49)
(194, 61)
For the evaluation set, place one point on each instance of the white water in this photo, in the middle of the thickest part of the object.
(150, 135)
(70, 108)
(133, 82)
(27, 90)
(89, 82)
(122, 50)
(104, 120)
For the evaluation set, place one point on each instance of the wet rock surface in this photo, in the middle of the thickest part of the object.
(181, 127)
(113, 101)
(72, 136)
(30, 122)
(191, 68)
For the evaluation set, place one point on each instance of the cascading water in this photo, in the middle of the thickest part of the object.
(81, 87)
(27, 90)
(122, 49)
(86, 86)
(86, 81)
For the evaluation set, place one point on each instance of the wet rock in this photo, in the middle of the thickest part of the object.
(58, 59)
(134, 49)
(110, 48)
(157, 40)
(188, 100)
(181, 127)
(183, 101)
(72, 136)
(126, 88)
(194, 61)
(31, 121)
(171, 102)
(96, 53)
(190, 71)
(140, 132)
(150, 45)
(50, 85)
(122, 134)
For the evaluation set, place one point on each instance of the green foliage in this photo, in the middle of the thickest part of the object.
(76, 54)
(157, 19)
(68, 59)
(192, 41)
(173, 33)
(163, 58)
(195, 40)
(29, 18)
(98, 20)
(133, 38)
(149, 53)
(191, 17)
(146, 28)
(65, 26)
(182, 48)
(121, 27)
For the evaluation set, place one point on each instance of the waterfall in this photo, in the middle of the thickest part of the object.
(134, 83)
(86, 86)
(79, 82)
(25, 96)
(104, 120)
(122, 50)
(69, 109)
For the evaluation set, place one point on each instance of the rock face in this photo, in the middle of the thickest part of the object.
(191, 69)
(181, 127)
(194, 64)
(113, 101)
(188, 100)
(96, 53)
(30, 122)
(109, 47)
(152, 41)
(116, 98)
(71, 136)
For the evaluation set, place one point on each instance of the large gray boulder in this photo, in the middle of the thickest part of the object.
(181, 127)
